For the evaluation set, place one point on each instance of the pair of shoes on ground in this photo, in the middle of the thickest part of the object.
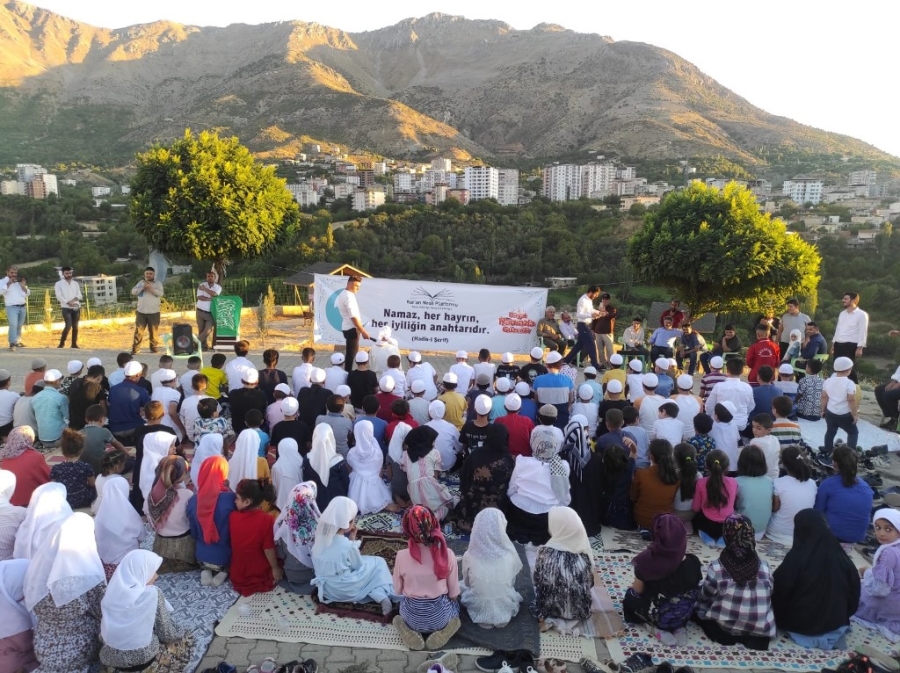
(440, 662)
(435, 641)
(208, 579)
(708, 540)
(269, 665)
(507, 661)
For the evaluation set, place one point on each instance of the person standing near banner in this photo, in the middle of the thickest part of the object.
(68, 294)
(206, 292)
(351, 325)
(585, 313)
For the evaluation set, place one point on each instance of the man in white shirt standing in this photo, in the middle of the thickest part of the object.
(351, 325)
(733, 390)
(149, 293)
(206, 292)
(584, 316)
(851, 331)
(15, 294)
(68, 294)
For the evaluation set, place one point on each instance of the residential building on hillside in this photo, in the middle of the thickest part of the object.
(437, 195)
(367, 198)
(461, 195)
(403, 182)
(803, 190)
(481, 181)
(441, 164)
(508, 186)
(26, 172)
(342, 190)
(596, 180)
(304, 194)
(50, 183)
(865, 177)
(99, 290)
(379, 167)
(562, 182)
(97, 192)
(12, 188)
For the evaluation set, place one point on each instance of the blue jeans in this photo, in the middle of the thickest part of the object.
(16, 317)
(835, 422)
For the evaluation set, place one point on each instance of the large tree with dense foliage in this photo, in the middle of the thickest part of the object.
(207, 198)
(718, 252)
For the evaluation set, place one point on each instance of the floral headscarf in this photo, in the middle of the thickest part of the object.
(19, 440)
(739, 556)
(169, 473)
(421, 526)
(296, 525)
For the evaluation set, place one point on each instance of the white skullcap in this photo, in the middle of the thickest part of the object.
(537, 353)
(361, 356)
(337, 358)
(342, 390)
(252, 376)
(483, 405)
(289, 406)
(523, 389)
(166, 375)
(417, 386)
(616, 359)
(462, 355)
(650, 380)
(52, 375)
(843, 364)
(585, 392)
(590, 369)
(437, 409)
(662, 363)
(414, 356)
(133, 368)
(506, 358)
(317, 375)
(512, 402)
(716, 362)
(685, 382)
(94, 361)
(387, 383)
(553, 357)
(614, 386)
(503, 384)
(450, 377)
(786, 368)
(283, 388)
(636, 366)
(728, 404)
(74, 367)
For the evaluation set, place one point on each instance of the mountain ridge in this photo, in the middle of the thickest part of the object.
(427, 85)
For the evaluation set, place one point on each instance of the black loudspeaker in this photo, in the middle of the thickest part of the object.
(182, 339)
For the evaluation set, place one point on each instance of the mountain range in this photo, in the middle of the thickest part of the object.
(438, 84)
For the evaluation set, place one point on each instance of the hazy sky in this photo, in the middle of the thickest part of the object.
(829, 65)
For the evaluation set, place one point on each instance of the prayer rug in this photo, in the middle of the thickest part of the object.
(700, 652)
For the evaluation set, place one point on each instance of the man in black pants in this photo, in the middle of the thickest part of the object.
(350, 322)
(851, 332)
(585, 313)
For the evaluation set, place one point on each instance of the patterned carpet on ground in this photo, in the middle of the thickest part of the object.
(783, 654)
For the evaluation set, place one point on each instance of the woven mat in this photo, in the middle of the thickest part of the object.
(290, 618)
(783, 654)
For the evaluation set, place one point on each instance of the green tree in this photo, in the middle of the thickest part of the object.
(719, 253)
(207, 198)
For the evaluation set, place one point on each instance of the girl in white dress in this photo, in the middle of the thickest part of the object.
(287, 471)
(367, 489)
(489, 570)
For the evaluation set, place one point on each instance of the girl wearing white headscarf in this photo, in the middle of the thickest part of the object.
(794, 345)
(342, 573)
(325, 467)
(563, 571)
(157, 445)
(879, 602)
(399, 480)
(16, 635)
(136, 626)
(46, 511)
(295, 531)
(63, 587)
(118, 528)
(11, 517)
(244, 463)
(489, 569)
(287, 471)
(209, 445)
(367, 489)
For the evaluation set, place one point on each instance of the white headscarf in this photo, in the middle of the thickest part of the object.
(66, 566)
(367, 450)
(243, 463)
(117, 527)
(12, 598)
(323, 455)
(567, 532)
(395, 447)
(157, 446)
(491, 555)
(296, 525)
(47, 509)
(209, 445)
(339, 514)
(129, 605)
(7, 487)
(893, 516)
(287, 471)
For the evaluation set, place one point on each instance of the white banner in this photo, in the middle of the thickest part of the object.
(425, 315)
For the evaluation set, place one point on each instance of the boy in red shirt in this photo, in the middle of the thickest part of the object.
(763, 352)
(519, 426)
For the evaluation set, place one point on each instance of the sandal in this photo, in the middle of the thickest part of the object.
(551, 665)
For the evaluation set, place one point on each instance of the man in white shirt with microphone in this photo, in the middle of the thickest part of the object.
(68, 294)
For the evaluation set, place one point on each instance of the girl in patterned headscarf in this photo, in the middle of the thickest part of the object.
(166, 510)
(19, 456)
(295, 531)
(428, 585)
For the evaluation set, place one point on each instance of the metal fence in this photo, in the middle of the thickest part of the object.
(250, 290)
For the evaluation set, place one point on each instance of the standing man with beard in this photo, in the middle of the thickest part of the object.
(851, 331)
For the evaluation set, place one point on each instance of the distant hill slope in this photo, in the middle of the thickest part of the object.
(434, 84)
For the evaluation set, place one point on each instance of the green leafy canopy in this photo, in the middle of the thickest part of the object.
(719, 253)
(207, 198)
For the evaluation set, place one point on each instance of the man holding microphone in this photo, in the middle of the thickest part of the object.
(149, 292)
(15, 294)
(68, 294)
(585, 314)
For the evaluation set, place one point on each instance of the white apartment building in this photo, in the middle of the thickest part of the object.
(562, 182)
(508, 186)
(100, 191)
(367, 198)
(26, 172)
(482, 182)
(379, 167)
(403, 182)
(98, 290)
(69, 182)
(50, 185)
(803, 190)
(12, 188)
(304, 194)
(441, 164)
(866, 177)
(433, 177)
(596, 180)
(626, 173)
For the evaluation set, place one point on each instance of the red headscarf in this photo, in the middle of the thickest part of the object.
(422, 527)
(213, 480)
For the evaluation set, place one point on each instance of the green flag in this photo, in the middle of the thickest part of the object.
(226, 311)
